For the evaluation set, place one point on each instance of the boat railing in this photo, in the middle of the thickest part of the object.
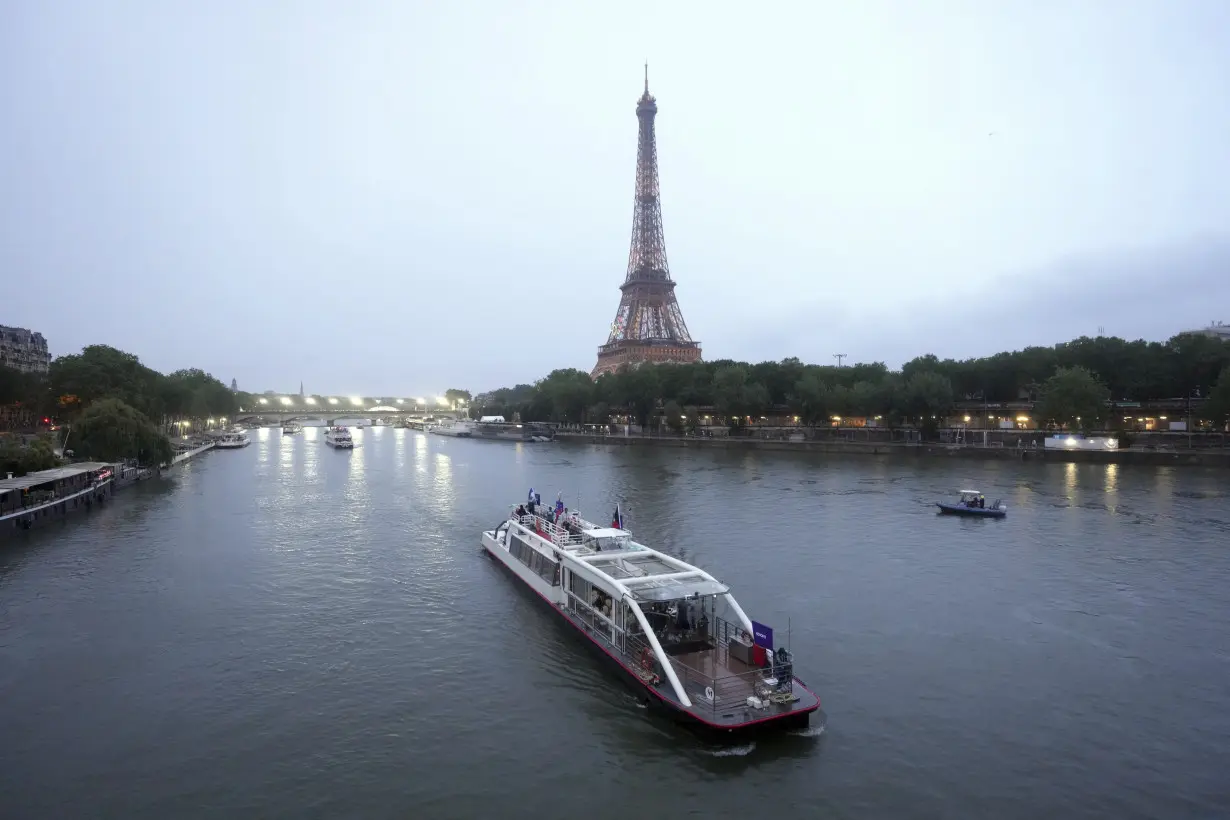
(550, 530)
(726, 632)
(730, 691)
(642, 659)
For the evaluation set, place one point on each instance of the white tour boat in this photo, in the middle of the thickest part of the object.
(676, 633)
(232, 441)
(339, 437)
(291, 427)
(458, 428)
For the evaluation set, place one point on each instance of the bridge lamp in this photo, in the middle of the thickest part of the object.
(401, 401)
(357, 402)
(286, 400)
(332, 401)
(310, 400)
(263, 401)
(443, 402)
(421, 401)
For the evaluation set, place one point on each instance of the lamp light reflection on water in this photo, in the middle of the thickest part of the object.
(356, 458)
(443, 481)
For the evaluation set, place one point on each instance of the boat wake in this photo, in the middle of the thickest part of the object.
(731, 751)
(810, 731)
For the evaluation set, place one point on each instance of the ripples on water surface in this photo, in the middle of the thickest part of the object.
(292, 631)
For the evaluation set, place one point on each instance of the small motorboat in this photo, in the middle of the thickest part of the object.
(973, 505)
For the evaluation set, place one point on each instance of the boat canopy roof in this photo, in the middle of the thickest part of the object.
(606, 532)
(674, 589)
(970, 492)
(630, 567)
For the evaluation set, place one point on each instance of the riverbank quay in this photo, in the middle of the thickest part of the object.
(189, 450)
(1127, 456)
(50, 495)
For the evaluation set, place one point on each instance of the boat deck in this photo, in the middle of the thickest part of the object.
(732, 681)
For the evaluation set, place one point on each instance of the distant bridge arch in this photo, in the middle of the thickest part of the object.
(335, 414)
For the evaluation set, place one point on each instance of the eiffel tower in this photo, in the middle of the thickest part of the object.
(648, 326)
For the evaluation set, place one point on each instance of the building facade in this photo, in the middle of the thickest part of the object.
(1217, 330)
(24, 350)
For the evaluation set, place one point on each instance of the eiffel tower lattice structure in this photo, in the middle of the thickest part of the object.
(648, 326)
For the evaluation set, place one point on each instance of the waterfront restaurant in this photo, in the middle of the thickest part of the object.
(52, 493)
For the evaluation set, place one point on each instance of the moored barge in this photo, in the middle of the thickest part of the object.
(49, 495)
(675, 632)
(513, 431)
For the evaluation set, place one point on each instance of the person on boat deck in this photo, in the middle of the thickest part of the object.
(520, 510)
(982, 502)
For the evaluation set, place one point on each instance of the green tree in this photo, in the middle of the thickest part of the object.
(20, 458)
(110, 430)
(600, 413)
(454, 396)
(927, 397)
(813, 399)
(736, 396)
(1186, 365)
(1073, 397)
(193, 393)
(568, 392)
(674, 416)
(1217, 408)
(101, 372)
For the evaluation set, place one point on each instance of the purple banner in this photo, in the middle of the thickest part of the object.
(762, 635)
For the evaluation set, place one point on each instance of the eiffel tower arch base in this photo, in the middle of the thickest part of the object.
(611, 357)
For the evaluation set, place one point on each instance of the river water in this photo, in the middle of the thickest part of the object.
(292, 631)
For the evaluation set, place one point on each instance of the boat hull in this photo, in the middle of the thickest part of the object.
(970, 512)
(647, 694)
(513, 432)
(15, 522)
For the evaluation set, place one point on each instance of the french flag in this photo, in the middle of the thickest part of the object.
(617, 520)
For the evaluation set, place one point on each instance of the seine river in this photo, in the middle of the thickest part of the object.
(289, 631)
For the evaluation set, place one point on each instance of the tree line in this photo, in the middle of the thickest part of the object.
(1070, 384)
(116, 407)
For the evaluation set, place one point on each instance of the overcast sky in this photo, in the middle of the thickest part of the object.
(397, 198)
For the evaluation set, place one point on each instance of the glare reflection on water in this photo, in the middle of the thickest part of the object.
(442, 486)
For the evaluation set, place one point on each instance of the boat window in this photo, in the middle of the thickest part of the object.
(520, 550)
(581, 588)
(542, 566)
